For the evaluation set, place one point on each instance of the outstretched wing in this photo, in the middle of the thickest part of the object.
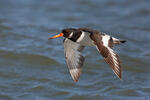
(102, 44)
(74, 59)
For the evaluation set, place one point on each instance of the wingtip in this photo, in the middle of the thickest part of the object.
(75, 74)
(121, 79)
(75, 80)
(119, 76)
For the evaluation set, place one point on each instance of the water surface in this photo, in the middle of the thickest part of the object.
(33, 67)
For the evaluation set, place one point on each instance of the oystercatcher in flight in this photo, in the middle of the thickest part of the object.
(76, 39)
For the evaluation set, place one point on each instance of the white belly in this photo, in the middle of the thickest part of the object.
(85, 39)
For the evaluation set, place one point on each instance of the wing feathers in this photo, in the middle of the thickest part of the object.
(114, 61)
(109, 55)
(74, 59)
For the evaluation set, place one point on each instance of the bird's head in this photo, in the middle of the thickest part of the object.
(67, 33)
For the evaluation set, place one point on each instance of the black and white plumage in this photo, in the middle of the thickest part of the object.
(76, 39)
(74, 59)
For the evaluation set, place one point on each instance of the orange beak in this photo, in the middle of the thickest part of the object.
(56, 36)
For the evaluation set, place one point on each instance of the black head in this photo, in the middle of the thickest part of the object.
(72, 33)
(68, 31)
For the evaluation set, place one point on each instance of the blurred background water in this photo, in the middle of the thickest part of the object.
(33, 67)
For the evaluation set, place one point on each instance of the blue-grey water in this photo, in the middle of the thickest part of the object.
(33, 67)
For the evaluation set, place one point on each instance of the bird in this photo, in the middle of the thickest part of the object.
(76, 39)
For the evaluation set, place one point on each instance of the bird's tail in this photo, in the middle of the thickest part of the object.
(122, 41)
(117, 41)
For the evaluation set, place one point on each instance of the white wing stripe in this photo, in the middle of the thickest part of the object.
(105, 40)
(70, 35)
(81, 37)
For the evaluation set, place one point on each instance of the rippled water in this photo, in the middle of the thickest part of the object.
(33, 67)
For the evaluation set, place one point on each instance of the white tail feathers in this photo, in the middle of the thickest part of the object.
(117, 41)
